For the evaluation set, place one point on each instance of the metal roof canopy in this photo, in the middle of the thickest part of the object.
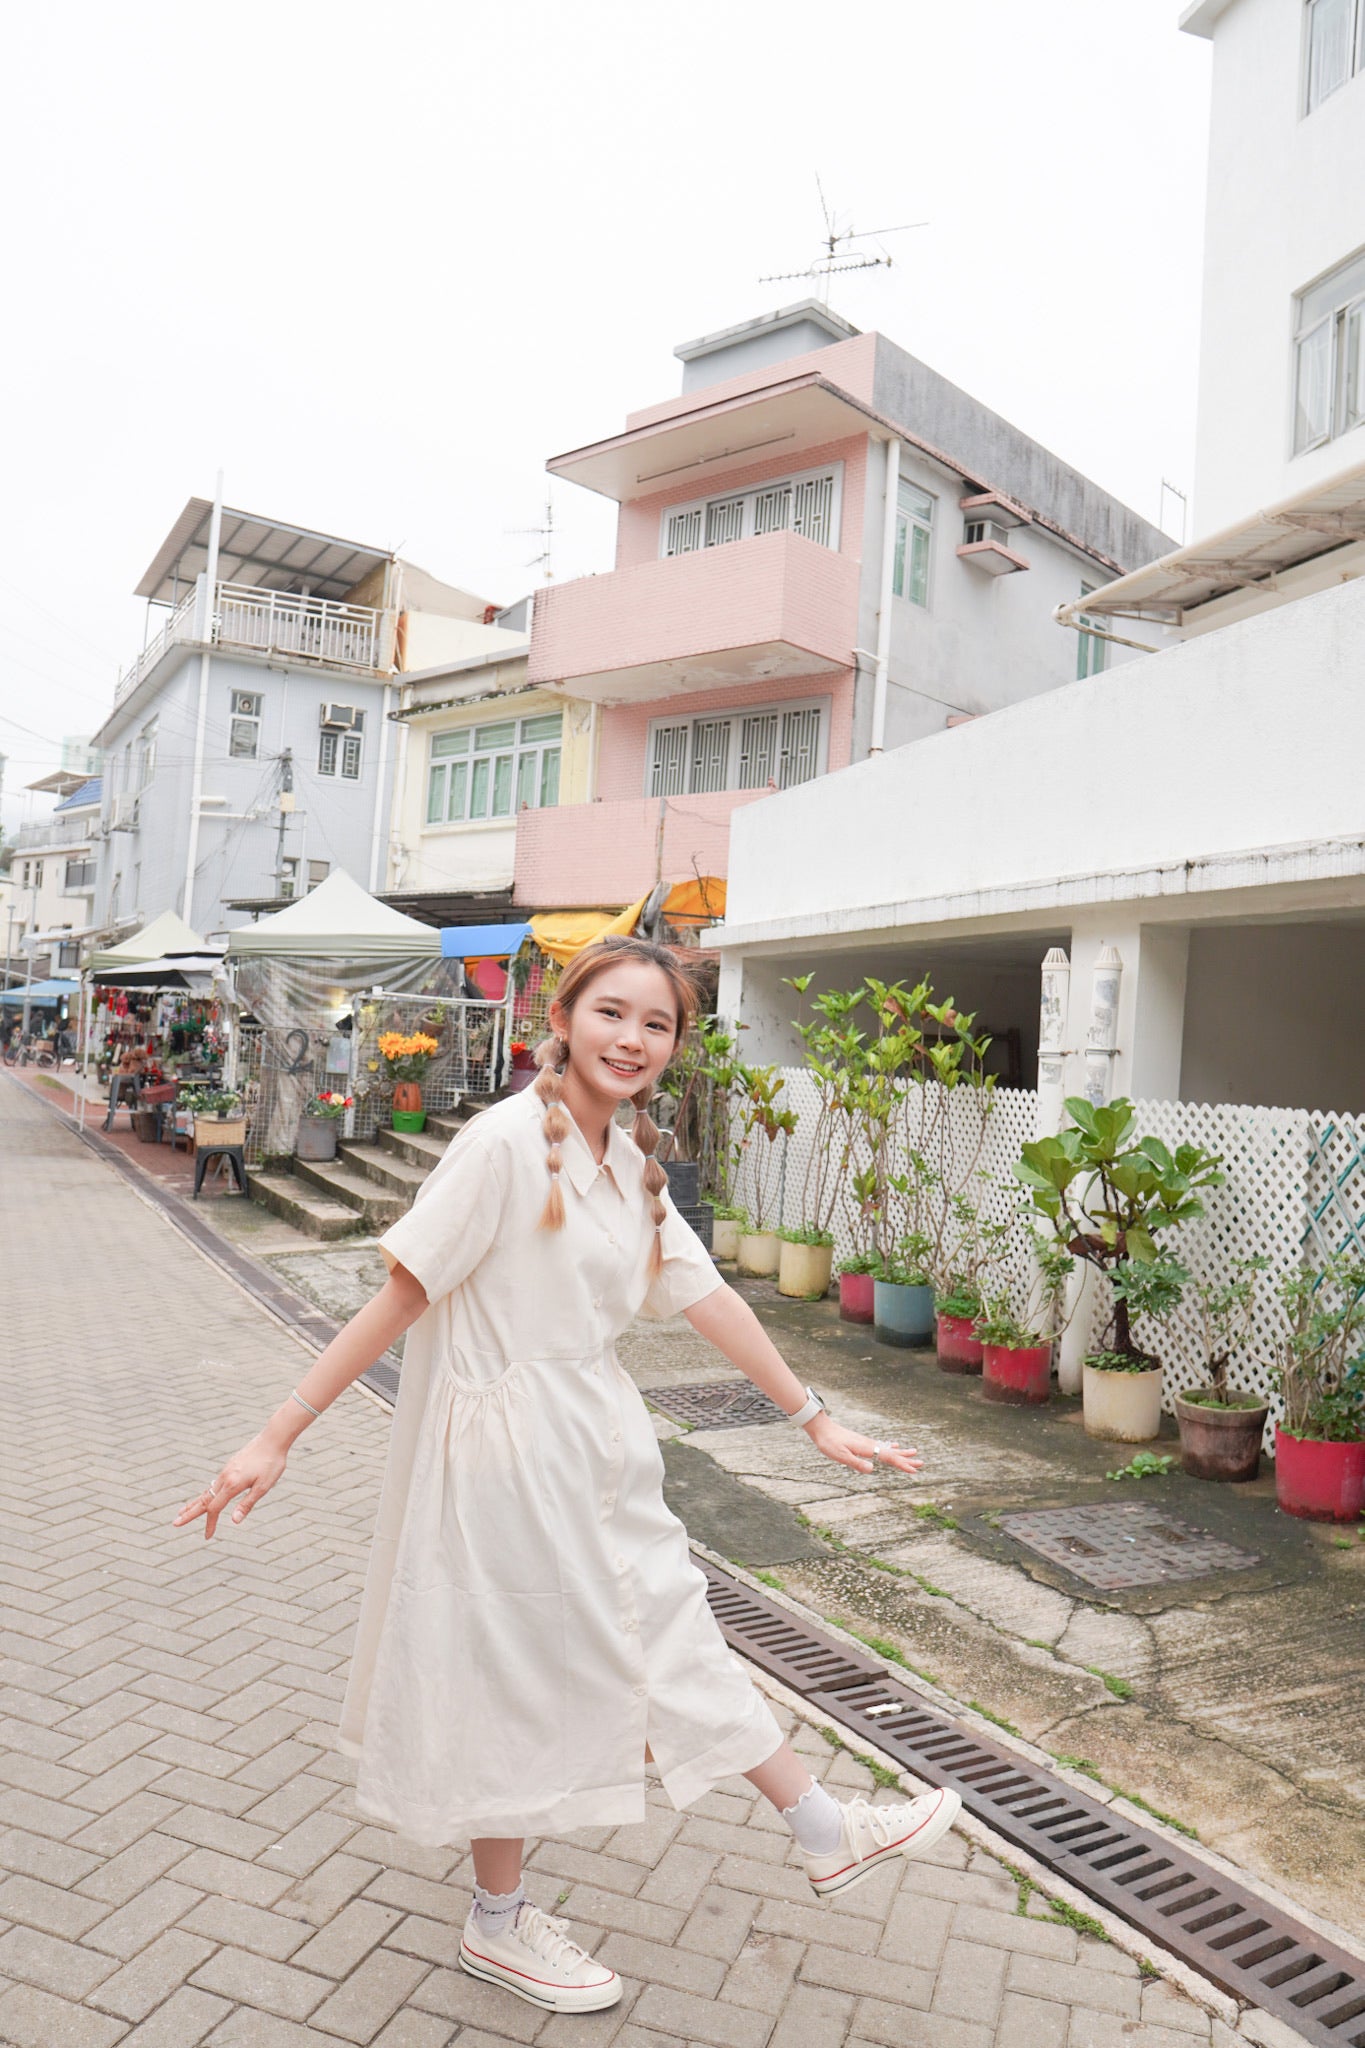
(1247, 556)
(264, 553)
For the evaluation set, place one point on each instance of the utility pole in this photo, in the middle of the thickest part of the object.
(286, 806)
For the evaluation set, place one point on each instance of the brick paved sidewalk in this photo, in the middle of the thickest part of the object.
(180, 1860)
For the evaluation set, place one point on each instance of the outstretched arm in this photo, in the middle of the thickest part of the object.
(726, 1320)
(255, 1468)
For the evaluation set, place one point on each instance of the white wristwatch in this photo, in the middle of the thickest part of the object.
(809, 1409)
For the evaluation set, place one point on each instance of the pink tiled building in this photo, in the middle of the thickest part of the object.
(823, 550)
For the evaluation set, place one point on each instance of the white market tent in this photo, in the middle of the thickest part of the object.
(337, 921)
(165, 934)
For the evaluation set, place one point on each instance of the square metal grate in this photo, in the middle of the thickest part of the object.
(1125, 1543)
(716, 1404)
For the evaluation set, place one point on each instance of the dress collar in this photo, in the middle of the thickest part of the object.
(623, 1158)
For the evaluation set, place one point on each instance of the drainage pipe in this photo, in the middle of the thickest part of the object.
(204, 624)
(880, 673)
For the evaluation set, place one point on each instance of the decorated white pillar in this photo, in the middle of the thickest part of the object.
(1102, 1032)
(1053, 1013)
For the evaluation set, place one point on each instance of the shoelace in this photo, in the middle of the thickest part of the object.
(876, 1820)
(548, 1937)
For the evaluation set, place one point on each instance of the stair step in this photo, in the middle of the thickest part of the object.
(304, 1207)
(372, 1204)
(423, 1149)
(390, 1172)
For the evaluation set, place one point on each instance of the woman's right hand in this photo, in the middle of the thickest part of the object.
(246, 1478)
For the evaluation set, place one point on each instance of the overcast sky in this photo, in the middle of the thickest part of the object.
(379, 262)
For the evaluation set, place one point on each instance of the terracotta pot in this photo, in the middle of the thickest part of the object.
(903, 1316)
(1220, 1443)
(1021, 1376)
(407, 1096)
(759, 1253)
(317, 1138)
(959, 1347)
(856, 1301)
(1319, 1482)
(1122, 1407)
(725, 1231)
(803, 1270)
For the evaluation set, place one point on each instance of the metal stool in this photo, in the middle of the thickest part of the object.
(118, 1085)
(232, 1153)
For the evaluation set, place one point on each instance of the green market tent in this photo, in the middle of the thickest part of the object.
(165, 934)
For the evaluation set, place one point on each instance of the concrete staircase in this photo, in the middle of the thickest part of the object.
(367, 1186)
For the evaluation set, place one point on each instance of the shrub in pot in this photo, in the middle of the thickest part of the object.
(406, 1056)
(1018, 1327)
(1320, 1370)
(218, 1118)
(727, 1224)
(1107, 1196)
(763, 1123)
(976, 1251)
(318, 1126)
(1221, 1428)
(955, 1317)
(805, 1263)
(903, 1297)
(857, 1279)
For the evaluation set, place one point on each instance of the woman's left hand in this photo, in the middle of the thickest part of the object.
(847, 1447)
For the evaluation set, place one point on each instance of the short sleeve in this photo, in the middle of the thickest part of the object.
(689, 1272)
(453, 1221)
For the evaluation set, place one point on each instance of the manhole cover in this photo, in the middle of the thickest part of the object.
(724, 1404)
(1125, 1543)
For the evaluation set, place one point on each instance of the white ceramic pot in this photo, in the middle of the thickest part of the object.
(1124, 1407)
(725, 1238)
(804, 1269)
(759, 1253)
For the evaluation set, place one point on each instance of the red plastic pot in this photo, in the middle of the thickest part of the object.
(1320, 1482)
(959, 1347)
(855, 1297)
(1022, 1377)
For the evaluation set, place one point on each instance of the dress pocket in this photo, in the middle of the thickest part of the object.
(477, 1374)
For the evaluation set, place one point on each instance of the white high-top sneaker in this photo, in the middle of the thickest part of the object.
(535, 1958)
(871, 1834)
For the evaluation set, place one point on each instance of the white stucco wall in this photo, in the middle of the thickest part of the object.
(1111, 789)
(1272, 1014)
(1286, 202)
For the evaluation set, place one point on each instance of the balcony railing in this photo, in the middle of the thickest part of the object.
(275, 622)
(57, 832)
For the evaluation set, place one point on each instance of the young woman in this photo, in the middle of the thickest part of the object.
(533, 1628)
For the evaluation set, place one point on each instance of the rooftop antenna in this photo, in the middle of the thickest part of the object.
(841, 251)
(1170, 490)
(546, 532)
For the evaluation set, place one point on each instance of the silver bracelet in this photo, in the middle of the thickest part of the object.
(305, 1404)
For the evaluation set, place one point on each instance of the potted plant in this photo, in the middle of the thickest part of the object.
(903, 1295)
(762, 1124)
(523, 1069)
(317, 1133)
(959, 1299)
(727, 1226)
(1320, 1370)
(1017, 1342)
(218, 1118)
(805, 1262)
(1220, 1428)
(406, 1057)
(1107, 1196)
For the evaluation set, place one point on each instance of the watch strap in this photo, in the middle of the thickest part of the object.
(809, 1409)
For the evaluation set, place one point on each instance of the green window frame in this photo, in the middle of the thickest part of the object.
(481, 772)
(914, 537)
(1091, 651)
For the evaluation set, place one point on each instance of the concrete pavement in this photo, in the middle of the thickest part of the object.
(180, 1858)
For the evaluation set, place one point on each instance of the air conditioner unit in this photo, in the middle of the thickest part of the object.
(124, 815)
(337, 717)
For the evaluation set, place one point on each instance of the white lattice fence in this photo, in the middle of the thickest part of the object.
(1335, 1185)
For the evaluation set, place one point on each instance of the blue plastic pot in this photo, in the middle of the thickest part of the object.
(902, 1315)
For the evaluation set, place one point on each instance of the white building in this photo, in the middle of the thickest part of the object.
(52, 878)
(249, 749)
(1197, 810)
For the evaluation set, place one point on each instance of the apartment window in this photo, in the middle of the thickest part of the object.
(24, 883)
(37, 874)
(1332, 48)
(782, 744)
(69, 953)
(318, 871)
(807, 503)
(490, 771)
(1090, 649)
(244, 729)
(340, 752)
(146, 753)
(80, 874)
(289, 877)
(914, 531)
(1329, 356)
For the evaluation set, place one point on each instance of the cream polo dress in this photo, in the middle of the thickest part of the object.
(532, 1616)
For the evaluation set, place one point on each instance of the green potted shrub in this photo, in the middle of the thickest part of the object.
(1107, 1195)
(903, 1295)
(762, 1124)
(1221, 1428)
(1019, 1326)
(959, 1298)
(728, 1225)
(1320, 1371)
(319, 1126)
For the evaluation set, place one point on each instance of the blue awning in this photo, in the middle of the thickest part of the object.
(482, 941)
(45, 993)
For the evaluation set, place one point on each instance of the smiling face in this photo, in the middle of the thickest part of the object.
(622, 1030)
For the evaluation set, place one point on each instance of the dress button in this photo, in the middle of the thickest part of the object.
(631, 1626)
(608, 1500)
(640, 1691)
(597, 1301)
(616, 1436)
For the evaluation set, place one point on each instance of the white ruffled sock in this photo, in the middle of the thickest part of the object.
(495, 1912)
(816, 1820)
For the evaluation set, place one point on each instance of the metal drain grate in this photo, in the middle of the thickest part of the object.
(716, 1404)
(1248, 1948)
(1125, 1543)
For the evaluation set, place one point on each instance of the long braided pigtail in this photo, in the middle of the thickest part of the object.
(550, 1056)
(645, 1132)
